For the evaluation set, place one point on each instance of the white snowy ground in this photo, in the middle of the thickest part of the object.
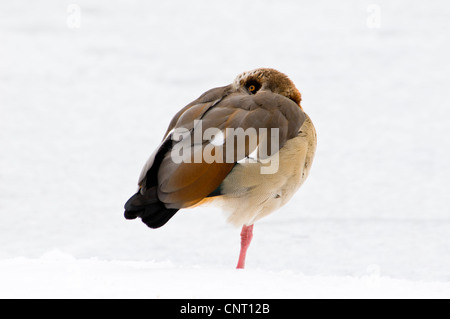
(78, 110)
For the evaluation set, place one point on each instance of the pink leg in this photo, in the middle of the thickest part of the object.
(246, 238)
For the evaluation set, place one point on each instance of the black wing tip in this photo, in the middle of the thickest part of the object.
(152, 212)
(159, 218)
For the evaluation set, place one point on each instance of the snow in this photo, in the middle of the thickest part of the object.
(58, 275)
(78, 110)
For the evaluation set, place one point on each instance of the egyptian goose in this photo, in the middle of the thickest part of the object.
(201, 158)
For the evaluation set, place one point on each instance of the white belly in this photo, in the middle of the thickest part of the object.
(250, 195)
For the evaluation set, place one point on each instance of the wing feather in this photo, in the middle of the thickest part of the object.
(181, 185)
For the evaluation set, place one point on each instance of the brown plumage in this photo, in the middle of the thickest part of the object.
(258, 102)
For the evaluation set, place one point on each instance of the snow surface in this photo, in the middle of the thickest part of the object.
(77, 123)
(58, 275)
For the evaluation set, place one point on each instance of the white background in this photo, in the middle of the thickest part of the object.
(86, 96)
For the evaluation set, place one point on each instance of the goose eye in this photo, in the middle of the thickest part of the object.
(253, 87)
